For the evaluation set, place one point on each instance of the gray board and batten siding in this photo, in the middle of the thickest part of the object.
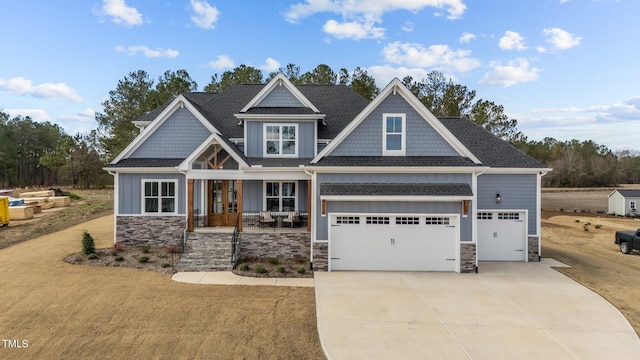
(130, 192)
(517, 192)
(176, 138)
(391, 206)
(254, 143)
(366, 138)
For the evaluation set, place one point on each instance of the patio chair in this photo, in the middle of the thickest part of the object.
(293, 219)
(266, 219)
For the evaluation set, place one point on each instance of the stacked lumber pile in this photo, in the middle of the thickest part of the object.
(44, 200)
(20, 212)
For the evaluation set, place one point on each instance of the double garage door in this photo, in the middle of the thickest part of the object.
(502, 236)
(393, 242)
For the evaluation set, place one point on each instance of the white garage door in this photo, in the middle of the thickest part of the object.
(393, 242)
(501, 236)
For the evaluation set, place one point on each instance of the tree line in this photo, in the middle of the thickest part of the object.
(33, 153)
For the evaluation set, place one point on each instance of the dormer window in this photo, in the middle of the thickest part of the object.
(394, 134)
(280, 140)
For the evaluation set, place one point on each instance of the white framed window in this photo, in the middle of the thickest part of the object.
(280, 140)
(280, 196)
(394, 134)
(632, 205)
(159, 196)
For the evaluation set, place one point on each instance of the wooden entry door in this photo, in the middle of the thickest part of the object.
(223, 202)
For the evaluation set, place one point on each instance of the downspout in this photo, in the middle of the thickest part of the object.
(474, 208)
(186, 189)
(313, 210)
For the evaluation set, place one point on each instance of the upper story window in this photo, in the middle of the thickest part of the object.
(394, 134)
(280, 140)
(159, 196)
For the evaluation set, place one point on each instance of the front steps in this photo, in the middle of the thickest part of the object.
(206, 252)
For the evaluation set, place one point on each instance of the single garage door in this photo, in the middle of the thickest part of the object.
(501, 236)
(393, 242)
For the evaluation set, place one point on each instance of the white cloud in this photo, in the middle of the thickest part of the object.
(148, 52)
(204, 15)
(37, 115)
(439, 57)
(120, 13)
(359, 17)
(270, 65)
(564, 1)
(512, 41)
(384, 74)
(22, 86)
(87, 115)
(407, 27)
(376, 8)
(561, 39)
(601, 123)
(222, 62)
(466, 38)
(511, 73)
(353, 30)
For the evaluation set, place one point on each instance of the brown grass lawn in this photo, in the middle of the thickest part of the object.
(596, 262)
(84, 312)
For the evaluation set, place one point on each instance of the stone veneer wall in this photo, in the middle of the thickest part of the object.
(149, 230)
(274, 244)
(321, 256)
(533, 248)
(467, 257)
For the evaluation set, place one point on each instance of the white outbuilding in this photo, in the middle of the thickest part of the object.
(624, 202)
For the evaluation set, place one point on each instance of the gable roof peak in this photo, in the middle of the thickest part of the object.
(279, 80)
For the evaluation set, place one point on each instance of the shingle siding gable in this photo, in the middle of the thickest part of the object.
(177, 137)
(280, 96)
(366, 138)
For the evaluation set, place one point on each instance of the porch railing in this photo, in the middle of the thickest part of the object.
(275, 221)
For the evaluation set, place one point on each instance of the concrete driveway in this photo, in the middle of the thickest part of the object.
(507, 311)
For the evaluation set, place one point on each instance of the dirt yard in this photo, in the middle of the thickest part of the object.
(66, 311)
(596, 262)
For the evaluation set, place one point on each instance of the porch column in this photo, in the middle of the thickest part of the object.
(309, 205)
(190, 205)
(239, 199)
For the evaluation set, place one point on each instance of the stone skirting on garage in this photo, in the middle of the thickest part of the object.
(321, 256)
(274, 244)
(533, 243)
(467, 257)
(149, 230)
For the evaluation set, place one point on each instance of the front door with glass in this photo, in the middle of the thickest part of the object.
(223, 202)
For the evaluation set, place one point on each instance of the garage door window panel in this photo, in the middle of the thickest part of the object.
(437, 221)
(403, 220)
(377, 220)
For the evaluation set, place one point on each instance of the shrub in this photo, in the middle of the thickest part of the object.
(273, 261)
(598, 226)
(301, 270)
(92, 256)
(143, 259)
(145, 249)
(260, 269)
(577, 220)
(88, 245)
(280, 269)
(114, 253)
(243, 267)
(119, 258)
(165, 265)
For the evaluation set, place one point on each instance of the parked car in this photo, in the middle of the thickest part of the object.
(628, 240)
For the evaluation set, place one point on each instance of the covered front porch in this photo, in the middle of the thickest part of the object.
(215, 205)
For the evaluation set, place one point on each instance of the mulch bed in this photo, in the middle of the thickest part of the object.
(159, 259)
(274, 268)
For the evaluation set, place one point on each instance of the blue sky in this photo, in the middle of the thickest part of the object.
(563, 68)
